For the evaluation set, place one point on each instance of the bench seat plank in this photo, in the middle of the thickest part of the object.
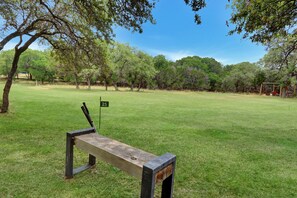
(118, 154)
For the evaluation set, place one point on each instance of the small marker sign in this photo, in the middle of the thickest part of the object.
(104, 104)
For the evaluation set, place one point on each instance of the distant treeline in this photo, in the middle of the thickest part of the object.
(121, 65)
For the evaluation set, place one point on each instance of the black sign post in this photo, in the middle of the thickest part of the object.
(102, 104)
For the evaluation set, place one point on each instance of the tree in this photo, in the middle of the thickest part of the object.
(160, 62)
(196, 6)
(214, 73)
(42, 67)
(195, 79)
(213, 66)
(169, 78)
(74, 57)
(131, 66)
(162, 77)
(6, 58)
(272, 23)
(260, 77)
(73, 21)
(278, 55)
(32, 60)
(71, 60)
(241, 78)
(264, 20)
(100, 57)
(138, 68)
(121, 56)
(192, 61)
(281, 62)
(105, 74)
(215, 81)
(89, 74)
(146, 70)
(26, 61)
(207, 67)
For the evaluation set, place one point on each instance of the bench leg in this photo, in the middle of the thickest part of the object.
(69, 171)
(148, 183)
(92, 160)
(69, 157)
(149, 173)
(167, 186)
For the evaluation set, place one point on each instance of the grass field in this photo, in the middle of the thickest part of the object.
(227, 145)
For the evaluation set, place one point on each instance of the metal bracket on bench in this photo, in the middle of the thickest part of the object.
(69, 171)
(160, 169)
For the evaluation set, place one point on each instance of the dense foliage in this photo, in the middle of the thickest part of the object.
(122, 65)
(273, 24)
(264, 20)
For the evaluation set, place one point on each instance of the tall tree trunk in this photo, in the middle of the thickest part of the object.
(236, 87)
(89, 83)
(115, 86)
(6, 90)
(76, 81)
(132, 87)
(76, 85)
(284, 92)
(139, 86)
(106, 85)
(17, 54)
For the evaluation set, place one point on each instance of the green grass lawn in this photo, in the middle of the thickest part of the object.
(227, 145)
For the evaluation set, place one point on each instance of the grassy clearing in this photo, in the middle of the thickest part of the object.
(227, 145)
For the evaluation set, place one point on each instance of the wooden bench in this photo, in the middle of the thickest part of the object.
(149, 168)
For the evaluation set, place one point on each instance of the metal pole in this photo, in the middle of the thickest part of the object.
(100, 112)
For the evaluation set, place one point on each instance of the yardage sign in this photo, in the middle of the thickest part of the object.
(104, 104)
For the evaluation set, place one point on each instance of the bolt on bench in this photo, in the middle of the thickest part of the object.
(149, 168)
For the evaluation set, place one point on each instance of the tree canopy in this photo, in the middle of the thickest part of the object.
(70, 21)
(263, 20)
(53, 20)
(272, 23)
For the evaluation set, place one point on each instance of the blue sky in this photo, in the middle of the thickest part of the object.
(176, 35)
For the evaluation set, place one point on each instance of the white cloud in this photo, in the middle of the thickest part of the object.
(224, 61)
(172, 55)
(176, 55)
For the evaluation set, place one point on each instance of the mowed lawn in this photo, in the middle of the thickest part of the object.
(227, 145)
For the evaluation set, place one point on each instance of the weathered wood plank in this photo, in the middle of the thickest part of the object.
(118, 154)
